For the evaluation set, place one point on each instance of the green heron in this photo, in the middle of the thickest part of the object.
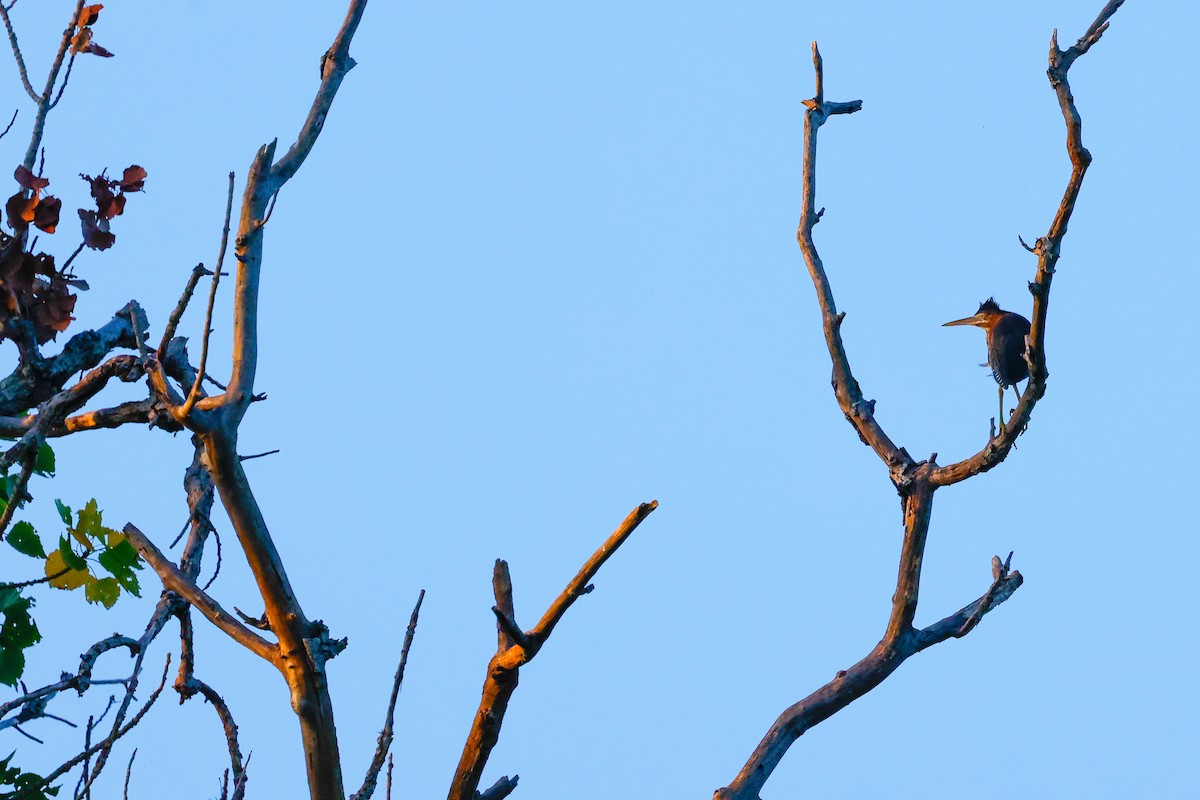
(1006, 334)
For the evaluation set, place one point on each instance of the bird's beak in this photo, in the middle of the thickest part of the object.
(977, 320)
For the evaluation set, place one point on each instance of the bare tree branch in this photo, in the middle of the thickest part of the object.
(264, 181)
(44, 103)
(8, 127)
(859, 412)
(917, 481)
(195, 393)
(16, 48)
(503, 669)
(174, 580)
(128, 773)
(385, 737)
(198, 272)
(25, 389)
(108, 741)
(28, 462)
(1048, 249)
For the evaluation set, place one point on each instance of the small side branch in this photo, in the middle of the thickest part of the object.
(516, 648)
(963, 621)
(859, 411)
(195, 393)
(174, 580)
(198, 272)
(385, 737)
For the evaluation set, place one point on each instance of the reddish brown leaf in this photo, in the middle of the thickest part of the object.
(102, 192)
(89, 15)
(28, 180)
(42, 264)
(14, 207)
(20, 277)
(97, 50)
(51, 311)
(117, 207)
(45, 216)
(81, 40)
(95, 230)
(133, 179)
(20, 211)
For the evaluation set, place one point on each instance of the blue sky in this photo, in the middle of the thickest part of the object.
(541, 267)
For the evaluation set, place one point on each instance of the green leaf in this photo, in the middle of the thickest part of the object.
(64, 511)
(44, 463)
(68, 555)
(90, 520)
(121, 560)
(9, 597)
(12, 664)
(18, 632)
(28, 786)
(103, 590)
(25, 540)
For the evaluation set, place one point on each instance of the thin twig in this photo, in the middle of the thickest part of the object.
(10, 124)
(36, 581)
(128, 772)
(384, 745)
(18, 729)
(17, 496)
(217, 568)
(198, 272)
(71, 258)
(194, 394)
(66, 79)
(259, 455)
(112, 738)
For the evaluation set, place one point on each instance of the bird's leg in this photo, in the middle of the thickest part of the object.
(1002, 426)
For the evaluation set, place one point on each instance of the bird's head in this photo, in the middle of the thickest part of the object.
(988, 315)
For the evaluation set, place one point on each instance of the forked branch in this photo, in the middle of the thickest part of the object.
(916, 481)
(1047, 249)
(516, 648)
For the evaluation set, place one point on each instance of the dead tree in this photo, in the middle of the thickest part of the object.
(38, 305)
(43, 399)
(917, 481)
